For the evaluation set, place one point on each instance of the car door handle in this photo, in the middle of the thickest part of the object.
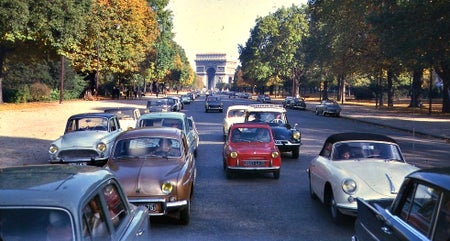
(386, 230)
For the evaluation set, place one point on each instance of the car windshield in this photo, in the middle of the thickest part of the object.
(366, 150)
(212, 99)
(160, 102)
(124, 114)
(250, 135)
(162, 122)
(35, 224)
(87, 123)
(236, 113)
(267, 117)
(147, 147)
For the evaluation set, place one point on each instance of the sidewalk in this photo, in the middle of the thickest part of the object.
(416, 123)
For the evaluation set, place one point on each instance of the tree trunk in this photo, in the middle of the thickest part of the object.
(443, 70)
(416, 89)
(2, 60)
(390, 92)
(325, 91)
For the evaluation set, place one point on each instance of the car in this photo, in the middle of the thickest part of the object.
(87, 139)
(250, 147)
(158, 105)
(156, 169)
(264, 98)
(287, 101)
(65, 202)
(213, 103)
(234, 114)
(173, 119)
(287, 137)
(420, 211)
(177, 105)
(127, 116)
(328, 107)
(186, 99)
(297, 104)
(353, 164)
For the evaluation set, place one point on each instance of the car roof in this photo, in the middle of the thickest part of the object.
(169, 132)
(265, 107)
(237, 107)
(94, 114)
(352, 136)
(56, 185)
(251, 125)
(439, 176)
(163, 115)
(120, 108)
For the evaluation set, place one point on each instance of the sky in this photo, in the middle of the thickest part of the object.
(218, 26)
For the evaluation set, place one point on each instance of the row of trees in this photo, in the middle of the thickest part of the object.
(380, 44)
(103, 43)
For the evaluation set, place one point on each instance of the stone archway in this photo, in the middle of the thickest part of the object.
(211, 73)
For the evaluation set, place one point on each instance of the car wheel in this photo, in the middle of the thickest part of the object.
(335, 214)
(276, 174)
(185, 214)
(295, 153)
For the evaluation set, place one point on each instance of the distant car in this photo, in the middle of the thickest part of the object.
(287, 101)
(127, 116)
(63, 202)
(287, 137)
(213, 103)
(264, 98)
(234, 114)
(297, 104)
(351, 165)
(158, 105)
(177, 105)
(186, 99)
(420, 211)
(328, 107)
(156, 169)
(87, 139)
(173, 119)
(250, 147)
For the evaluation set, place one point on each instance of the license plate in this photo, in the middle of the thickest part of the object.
(254, 163)
(154, 207)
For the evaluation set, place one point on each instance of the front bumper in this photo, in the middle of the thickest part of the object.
(286, 145)
(159, 206)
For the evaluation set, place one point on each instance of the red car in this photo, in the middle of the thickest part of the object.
(251, 147)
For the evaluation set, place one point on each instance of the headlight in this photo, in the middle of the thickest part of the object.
(233, 154)
(53, 149)
(101, 147)
(166, 187)
(349, 186)
(275, 154)
(296, 135)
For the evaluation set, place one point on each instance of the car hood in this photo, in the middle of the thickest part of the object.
(82, 138)
(252, 148)
(142, 177)
(383, 178)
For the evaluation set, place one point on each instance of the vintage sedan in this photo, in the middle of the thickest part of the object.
(158, 105)
(127, 116)
(250, 147)
(156, 169)
(213, 103)
(420, 211)
(234, 114)
(297, 104)
(173, 119)
(87, 139)
(352, 165)
(64, 202)
(328, 107)
(287, 137)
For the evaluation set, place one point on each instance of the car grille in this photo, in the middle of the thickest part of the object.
(78, 155)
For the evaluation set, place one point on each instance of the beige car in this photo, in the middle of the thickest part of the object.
(156, 170)
(234, 114)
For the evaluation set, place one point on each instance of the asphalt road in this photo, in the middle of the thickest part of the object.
(258, 207)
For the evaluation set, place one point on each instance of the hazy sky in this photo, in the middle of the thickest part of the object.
(218, 26)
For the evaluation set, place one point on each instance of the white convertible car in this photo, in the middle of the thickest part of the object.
(352, 165)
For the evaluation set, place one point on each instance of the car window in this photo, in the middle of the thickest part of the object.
(351, 150)
(115, 205)
(146, 147)
(35, 224)
(443, 223)
(94, 224)
(419, 207)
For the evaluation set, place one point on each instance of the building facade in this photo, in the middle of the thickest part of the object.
(214, 68)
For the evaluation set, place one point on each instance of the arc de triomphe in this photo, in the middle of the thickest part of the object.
(214, 68)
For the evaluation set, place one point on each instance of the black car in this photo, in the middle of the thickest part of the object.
(420, 211)
(287, 137)
(213, 103)
(297, 103)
